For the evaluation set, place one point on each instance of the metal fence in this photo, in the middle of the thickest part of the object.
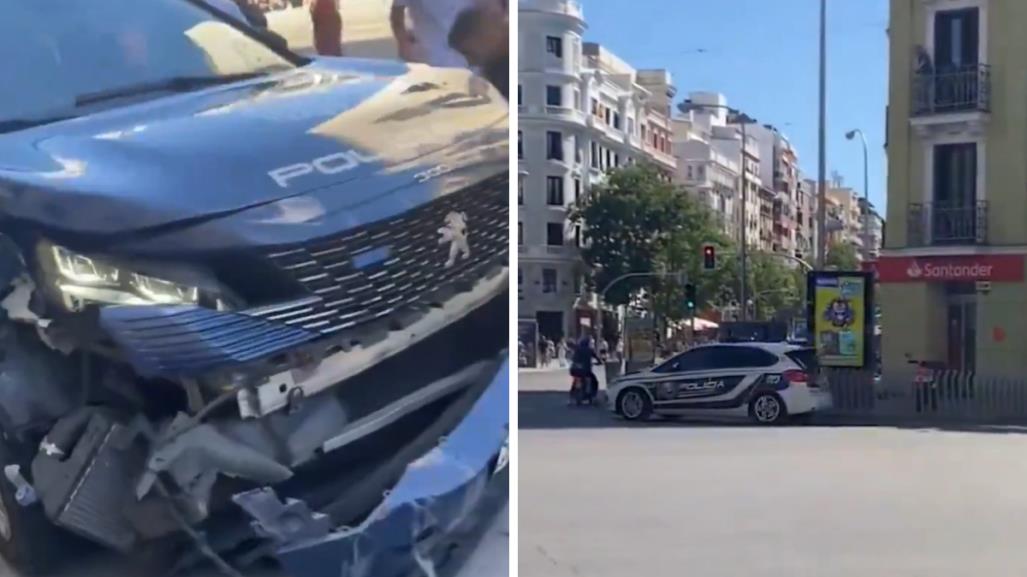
(941, 395)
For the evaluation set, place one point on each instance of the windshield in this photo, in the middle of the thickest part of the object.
(58, 50)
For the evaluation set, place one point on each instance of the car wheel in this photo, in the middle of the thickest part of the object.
(767, 409)
(634, 405)
(27, 537)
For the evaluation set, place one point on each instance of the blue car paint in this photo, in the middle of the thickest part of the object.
(200, 161)
(439, 493)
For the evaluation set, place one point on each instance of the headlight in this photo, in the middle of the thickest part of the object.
(82, 280)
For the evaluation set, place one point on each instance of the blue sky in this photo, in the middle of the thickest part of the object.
(763, 55)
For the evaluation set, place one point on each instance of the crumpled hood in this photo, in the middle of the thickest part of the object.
(354, 129)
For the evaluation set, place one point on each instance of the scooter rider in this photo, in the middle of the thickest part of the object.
(581, 365)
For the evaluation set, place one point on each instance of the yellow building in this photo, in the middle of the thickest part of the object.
(952, 271)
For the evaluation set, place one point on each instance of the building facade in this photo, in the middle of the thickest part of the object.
(952, 269)
(582, 111)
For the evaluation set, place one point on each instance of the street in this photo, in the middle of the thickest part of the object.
(599, 497)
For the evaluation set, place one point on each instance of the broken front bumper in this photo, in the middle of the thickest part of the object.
(429, 523)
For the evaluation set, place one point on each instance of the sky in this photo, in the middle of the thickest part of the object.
(763, 55)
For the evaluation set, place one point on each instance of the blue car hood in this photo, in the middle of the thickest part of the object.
(338, 133)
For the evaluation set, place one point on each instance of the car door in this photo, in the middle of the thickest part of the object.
(714, 378)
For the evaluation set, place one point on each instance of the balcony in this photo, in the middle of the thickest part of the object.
(951, 96)
(934, 224)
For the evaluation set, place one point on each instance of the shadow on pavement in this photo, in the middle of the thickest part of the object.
(549, 410)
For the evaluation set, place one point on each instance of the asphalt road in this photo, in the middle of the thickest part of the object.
(599, 497)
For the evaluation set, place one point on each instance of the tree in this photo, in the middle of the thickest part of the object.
(627, 222)
(842, 256)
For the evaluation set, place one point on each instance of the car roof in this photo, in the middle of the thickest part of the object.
(777, 348)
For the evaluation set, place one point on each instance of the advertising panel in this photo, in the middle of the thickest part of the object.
(840, 317)
(527, 343)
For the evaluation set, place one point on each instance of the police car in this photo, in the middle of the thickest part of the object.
(768, 382)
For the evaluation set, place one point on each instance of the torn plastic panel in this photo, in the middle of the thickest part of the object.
(438, 501)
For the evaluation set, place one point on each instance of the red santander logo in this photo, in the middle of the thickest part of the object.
(998, 268)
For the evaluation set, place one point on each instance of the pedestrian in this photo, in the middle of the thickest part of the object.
(482, 35)
(427, 38)
(327, 23)
(550, 350)
(581, 367)
(561, 353)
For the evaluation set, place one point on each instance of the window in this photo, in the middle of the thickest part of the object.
(554, 145)
(700, 172)
(554, 190)
(606, 116)
(595, 107)
(553, 96)
(520, 233)
(554, 46)
(690, 173)
(616, 120)
(717, 358)
(520, 100)
(577, 236)
(520, 191)
(549, 280)
(616, 160)
(594, 158)
(577, 189)
(609, 158)
(554, 233)
(520, 144)
(93, 47)
(577, 150)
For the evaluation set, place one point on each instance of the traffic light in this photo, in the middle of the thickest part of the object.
(690, 297)
(709, 257)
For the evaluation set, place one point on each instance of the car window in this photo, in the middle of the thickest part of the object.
(694, 360)
(806, 358)
(59, 50)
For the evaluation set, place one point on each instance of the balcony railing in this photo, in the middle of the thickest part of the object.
(944, 223)
(966, 89)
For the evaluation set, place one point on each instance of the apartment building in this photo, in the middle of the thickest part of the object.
(952, 269)
(582, 112)
(711, 123)
(844, 217)
(805, 219)
(707, 173)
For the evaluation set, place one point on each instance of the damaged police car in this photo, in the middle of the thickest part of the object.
(244, 296)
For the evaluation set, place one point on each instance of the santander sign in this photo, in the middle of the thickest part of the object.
(998, 268)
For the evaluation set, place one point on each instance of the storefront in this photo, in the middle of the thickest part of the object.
(962, 312)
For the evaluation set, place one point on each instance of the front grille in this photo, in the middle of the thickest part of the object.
(381, 273)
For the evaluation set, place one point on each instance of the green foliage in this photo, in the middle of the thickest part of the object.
(636, 222)
(842, 256)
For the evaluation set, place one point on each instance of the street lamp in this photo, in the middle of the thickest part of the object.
(866, 191)
(822, 143)
(742, 119)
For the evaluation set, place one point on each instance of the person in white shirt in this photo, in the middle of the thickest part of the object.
(427, 39)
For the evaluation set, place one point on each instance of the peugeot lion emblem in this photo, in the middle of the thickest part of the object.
(456, 234)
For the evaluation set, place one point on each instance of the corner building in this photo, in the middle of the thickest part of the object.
(951, 274)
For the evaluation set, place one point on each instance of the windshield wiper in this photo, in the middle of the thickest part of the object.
(174, 84)
(17, 124)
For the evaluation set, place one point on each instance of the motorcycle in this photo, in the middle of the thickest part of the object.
(584, 388)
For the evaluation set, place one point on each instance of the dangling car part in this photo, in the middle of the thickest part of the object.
(225, 268)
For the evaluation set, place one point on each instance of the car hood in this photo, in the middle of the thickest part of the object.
(342, 131)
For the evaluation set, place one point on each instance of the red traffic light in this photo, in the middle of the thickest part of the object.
(709, 257)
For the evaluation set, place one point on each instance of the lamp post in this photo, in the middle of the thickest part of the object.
(866, 191)
(822, 144)
(743, 120)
